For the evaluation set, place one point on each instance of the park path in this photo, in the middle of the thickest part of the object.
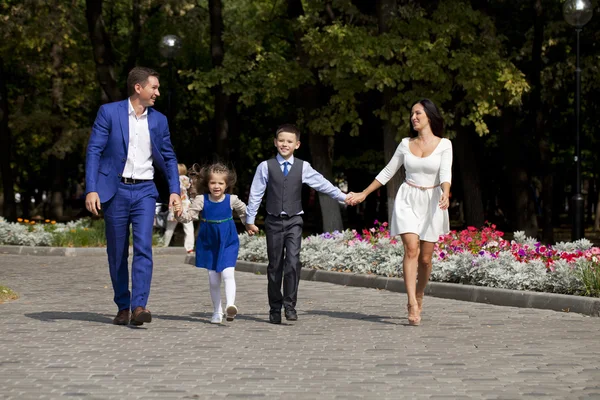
(57, 341)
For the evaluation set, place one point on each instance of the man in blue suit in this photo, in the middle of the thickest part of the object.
(129, 140)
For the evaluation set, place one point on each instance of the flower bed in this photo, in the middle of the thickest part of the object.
(472, 256)
(81, 233)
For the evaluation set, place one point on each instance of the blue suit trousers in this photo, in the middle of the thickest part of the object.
(132, 205)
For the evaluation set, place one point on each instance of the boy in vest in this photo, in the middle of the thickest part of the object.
(282, 178)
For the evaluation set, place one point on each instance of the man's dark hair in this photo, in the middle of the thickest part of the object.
(139, 75)
(436, 121)
(291, 128)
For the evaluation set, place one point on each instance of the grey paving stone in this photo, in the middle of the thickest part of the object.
(57, 341)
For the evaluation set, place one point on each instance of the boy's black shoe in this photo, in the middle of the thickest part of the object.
(275, 317)
(291, 315)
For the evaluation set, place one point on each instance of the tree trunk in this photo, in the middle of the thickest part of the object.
(597, 219)
(522, 212)
(545, 154)
(471, 181)
(308, 99)
(386, 10)
(321, 152)
(136, 34)
(389, 148)
(102, 49)
(9, 207)
(217, 51)
(57, 183)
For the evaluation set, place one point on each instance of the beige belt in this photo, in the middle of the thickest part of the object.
(421, 187)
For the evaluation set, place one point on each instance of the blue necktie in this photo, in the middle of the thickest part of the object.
(285, 168)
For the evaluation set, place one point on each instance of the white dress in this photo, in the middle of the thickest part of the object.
(417, 210)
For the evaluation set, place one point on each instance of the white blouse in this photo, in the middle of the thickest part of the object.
(428, 171)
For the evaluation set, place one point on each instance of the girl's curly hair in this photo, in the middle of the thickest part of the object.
(200, 176)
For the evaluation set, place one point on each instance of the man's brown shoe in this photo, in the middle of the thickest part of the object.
(122, 317)
(140, 315)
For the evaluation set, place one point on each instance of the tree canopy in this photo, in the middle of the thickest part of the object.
(346, 72)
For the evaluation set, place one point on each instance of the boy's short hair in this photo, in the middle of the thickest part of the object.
(291, 128)
(182, 169)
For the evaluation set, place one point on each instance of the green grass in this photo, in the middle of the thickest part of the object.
(6, 294)
(90, 235)
(590, 276)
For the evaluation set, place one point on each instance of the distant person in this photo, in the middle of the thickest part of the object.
(282, 178)
(420, 214)
(129, 140)
(188, 227)
(217, 244)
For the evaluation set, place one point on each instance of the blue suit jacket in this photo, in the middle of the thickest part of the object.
(108, 145)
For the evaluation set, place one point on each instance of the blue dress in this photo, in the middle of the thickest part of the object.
(217, 245)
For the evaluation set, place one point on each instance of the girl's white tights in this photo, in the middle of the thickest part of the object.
(214, 280)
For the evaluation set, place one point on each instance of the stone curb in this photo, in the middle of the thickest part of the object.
(478, 294)
(78, 251)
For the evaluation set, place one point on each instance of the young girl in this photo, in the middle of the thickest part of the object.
(188, 227)
(217, 244)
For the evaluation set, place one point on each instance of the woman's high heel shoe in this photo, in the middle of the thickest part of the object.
(414, 317)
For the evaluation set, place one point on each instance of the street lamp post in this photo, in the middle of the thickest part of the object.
(169, 47)
(577, 13)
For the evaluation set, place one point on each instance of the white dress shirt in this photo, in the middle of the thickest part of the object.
(139, 155)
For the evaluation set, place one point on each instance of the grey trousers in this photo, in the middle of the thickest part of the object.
(284, 239)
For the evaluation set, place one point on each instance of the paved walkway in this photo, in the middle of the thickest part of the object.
(57, 341)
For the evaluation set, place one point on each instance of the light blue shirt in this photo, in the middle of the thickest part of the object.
(309, 176)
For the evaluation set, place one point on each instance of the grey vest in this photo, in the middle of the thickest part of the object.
(284, 193)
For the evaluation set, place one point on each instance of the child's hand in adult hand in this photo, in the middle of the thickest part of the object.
(349, 198)
(175, 203)
(355, 198)
(251, 229)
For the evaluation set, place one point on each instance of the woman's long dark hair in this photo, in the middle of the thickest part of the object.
(436, 121)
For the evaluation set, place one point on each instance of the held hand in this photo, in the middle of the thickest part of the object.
(356, 198)
(175, 202)
(251, 229)
(444, 201)
(349, 198)
(92, 202)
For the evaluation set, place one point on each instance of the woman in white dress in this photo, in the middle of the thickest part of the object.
(420, 214)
